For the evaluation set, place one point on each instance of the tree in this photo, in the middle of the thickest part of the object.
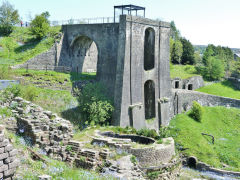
(177, 51)
(175, 33)
(197, 57)
(40, 25)
(214, 69)
(188, 52)
(8, 18)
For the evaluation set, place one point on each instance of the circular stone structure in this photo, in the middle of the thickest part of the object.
(148, 153)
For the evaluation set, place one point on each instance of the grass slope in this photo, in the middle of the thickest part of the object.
(182, 71)
(21, 45)
(223, 124)
(225, 89)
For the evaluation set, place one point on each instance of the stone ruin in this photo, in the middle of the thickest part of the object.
(8, 159)
(42, 128)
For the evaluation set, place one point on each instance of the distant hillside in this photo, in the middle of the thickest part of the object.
(201, 49)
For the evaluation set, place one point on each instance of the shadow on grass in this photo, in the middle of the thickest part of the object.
(229, 84)
(74, 116)
(82, 76)
(31, 44)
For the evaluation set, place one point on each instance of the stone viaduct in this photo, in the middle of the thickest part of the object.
(131, 59)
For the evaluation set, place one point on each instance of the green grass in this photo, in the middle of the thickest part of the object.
(182, 71)
(13, 53)
(223, 124)
(225, 89)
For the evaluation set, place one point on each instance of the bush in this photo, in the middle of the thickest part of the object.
(5, 72)
(213, 70)
(40, 26)
(148, 133)
(94, 104)
(196, 111)
(29, 93)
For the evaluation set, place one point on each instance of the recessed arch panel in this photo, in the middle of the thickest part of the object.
(149, 99)
(149, 49)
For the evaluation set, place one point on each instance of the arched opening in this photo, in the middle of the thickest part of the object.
(190, 87)
(149, 49)
(192, 162)
(84, 55)
(149, 99)
(176, 84)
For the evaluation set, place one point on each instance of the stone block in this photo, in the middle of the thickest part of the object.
(4, 143)
(9, 172)
(14, 164)
(3, 156)
(13, 152)
(3, 168)
(8, 148)
(45, 177)
(9, 159)
(2, 150)
(2, 137)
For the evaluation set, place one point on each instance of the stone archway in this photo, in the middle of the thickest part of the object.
(84, 54)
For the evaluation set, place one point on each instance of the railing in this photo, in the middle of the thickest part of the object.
(98, 20)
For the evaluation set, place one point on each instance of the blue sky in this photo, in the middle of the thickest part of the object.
(200, 21)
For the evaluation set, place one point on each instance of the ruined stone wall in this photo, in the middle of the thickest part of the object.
(42, 128)
(182, 101)
(191, 83)
(8, 159)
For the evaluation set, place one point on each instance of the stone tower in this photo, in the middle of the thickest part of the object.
(142, 85)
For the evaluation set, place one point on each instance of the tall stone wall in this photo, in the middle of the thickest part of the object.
(182, 101)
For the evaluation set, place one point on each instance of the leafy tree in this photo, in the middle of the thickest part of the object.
(214, 69)
(8, 18)
(197, 57)
(223, 53)
(40, 25)
(177, 51)
(175, 33)
(188, 52)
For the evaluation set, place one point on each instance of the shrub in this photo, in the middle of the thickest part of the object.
(148, 133)
(94, 104)
(214, 69)
(164, 132)
(29, 92)
(40, 26)
(133, 159)
(196, 111)
(5, 72)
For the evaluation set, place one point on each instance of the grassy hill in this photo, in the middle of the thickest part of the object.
(223, 124)
(224, 88)
(21, 45)
(182, 71)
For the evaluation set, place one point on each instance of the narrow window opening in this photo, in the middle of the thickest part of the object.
(190, 87)
(176, 84)
(149, 49)
(149, 99)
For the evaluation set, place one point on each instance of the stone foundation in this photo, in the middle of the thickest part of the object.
(8, 159)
